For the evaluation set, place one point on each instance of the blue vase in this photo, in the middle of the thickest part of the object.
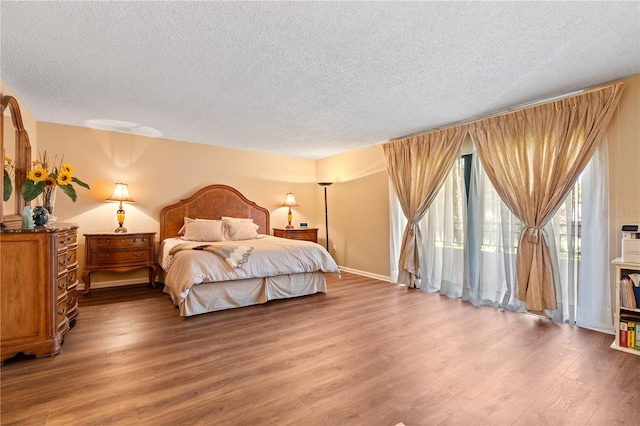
(40, 216)
(27, 220)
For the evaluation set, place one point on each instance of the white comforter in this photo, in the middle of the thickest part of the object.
(270, 256)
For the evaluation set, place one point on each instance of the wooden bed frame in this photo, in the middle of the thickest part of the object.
(212, 202)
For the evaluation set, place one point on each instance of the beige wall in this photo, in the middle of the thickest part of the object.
(623, 136)
(358, 207)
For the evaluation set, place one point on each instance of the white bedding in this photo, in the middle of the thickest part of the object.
(270, 257)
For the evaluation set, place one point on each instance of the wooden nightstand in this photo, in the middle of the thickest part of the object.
(305, 234)
(119, 253)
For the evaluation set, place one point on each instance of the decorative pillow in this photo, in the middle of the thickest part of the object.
(186, 220)
(235, 231)
(203, 230)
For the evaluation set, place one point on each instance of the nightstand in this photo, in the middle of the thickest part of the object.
(119, 253)
(305, 234)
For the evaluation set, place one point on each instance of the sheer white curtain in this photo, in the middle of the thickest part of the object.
(443, 237)
(442, 229)
(492, 240)
(483, 273)
(579, 239)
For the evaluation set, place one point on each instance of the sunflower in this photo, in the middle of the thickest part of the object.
(49, 182)
(38, 174)
(66, 168)
(64, 178)
(46, 176)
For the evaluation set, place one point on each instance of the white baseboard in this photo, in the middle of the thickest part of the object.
(365, 274)
(116, 283)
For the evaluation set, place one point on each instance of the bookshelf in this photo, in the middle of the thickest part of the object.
(622, 269)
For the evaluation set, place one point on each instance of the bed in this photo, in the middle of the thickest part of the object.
(216, 253)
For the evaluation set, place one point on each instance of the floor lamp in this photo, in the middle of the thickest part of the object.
(326, 214)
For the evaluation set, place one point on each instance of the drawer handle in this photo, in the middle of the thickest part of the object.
(62, 264)
(63, 312)
(61, 286)
(138, 254)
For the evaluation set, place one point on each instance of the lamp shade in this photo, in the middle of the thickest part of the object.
(121, 194)
(290, 200)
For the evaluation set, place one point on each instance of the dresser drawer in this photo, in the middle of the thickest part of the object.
(115, 243)
(62, 285)
(303, 234)
(72, 256)
(123, 256)
(72, 277)
(62, 262)
(72, 238)
(62, 310)
(62, 242)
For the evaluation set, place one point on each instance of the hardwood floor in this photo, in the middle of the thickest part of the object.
(366, 353)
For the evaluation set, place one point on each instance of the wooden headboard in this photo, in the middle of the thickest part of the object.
(212, 202)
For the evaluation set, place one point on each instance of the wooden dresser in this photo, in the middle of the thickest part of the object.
(119, 253)
(38, 282)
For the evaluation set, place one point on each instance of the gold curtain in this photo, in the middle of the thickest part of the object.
(418, 166)
(533, 158)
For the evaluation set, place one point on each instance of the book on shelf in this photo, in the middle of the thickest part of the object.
(628, 297)
(629, 327)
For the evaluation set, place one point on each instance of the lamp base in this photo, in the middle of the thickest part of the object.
(120, 230)
(288, 226)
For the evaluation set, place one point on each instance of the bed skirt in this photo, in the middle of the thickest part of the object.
(210, 297)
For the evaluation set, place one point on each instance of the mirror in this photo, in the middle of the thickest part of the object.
(15, 141)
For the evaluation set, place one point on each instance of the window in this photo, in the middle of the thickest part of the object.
(470, 242)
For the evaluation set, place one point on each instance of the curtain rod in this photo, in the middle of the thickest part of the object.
(512, 109)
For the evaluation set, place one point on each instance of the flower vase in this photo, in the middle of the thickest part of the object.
(40, 216)
(49, 202)
(27, 220)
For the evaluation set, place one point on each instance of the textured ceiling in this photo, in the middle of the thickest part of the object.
(305, 79)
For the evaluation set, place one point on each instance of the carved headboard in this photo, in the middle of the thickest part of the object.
(212, 202)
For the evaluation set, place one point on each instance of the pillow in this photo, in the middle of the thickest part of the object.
(203, 230)
(237, 219)
(235, 231)
(186, 220)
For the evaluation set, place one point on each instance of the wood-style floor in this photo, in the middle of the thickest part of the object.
(366, 353)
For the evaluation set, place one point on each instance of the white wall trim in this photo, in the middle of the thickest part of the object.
(365, 274)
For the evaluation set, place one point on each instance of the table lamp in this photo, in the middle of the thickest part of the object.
(121, 194)
(290, 201)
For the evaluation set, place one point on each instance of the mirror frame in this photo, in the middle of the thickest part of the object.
(22, 160)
